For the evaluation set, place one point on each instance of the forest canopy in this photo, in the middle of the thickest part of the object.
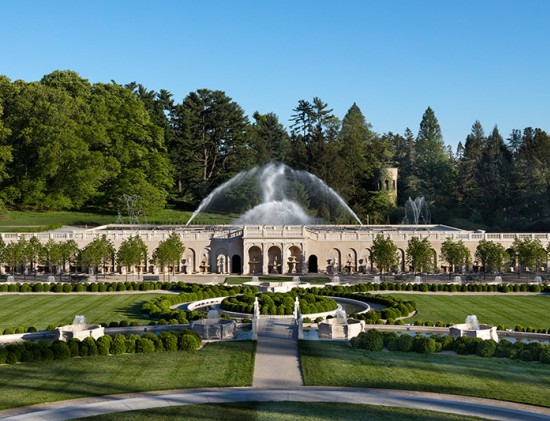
(68, 144)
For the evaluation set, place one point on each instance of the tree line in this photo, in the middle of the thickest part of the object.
(527, 253)
(58, 257)
(66, 143)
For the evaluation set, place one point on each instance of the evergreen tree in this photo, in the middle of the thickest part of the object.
(210, 133)
(468, 189)
(493, 179)
(434, 168)
(270, 140)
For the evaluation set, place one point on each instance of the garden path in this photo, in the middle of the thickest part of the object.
(277, 363)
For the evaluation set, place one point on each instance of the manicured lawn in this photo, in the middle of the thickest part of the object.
(508, 310)
(221, 364)
(16, 221)
(41, 310)
(281, 411)
(337, 364)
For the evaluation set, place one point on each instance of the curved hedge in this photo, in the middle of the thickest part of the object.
(278, 303)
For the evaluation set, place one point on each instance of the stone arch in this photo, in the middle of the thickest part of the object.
(312, 264)
(255, 260)
(350, 261)
(236, 264)
(205, 262)
(334, 261)
(402, 260)
(365, 262)
(222, 261)
(274, 260)
(189, 262)
(294, 264)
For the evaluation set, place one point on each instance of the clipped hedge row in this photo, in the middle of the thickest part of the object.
(277, 303)
(23, 352)
(375, 341)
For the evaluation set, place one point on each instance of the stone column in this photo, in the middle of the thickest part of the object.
(265, 260)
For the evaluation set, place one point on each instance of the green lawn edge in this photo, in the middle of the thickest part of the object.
(218, 364)
(337, 364)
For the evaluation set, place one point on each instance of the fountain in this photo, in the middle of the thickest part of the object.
(79, 329)
(473, 329)
(340, 327)
(284, 195)
(213, 327)
(416, 211)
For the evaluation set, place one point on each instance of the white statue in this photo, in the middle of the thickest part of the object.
(256, 308)
(296, 308)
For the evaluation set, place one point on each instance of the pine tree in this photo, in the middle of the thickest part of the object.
(434, 168)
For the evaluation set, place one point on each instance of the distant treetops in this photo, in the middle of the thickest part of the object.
(66, 143)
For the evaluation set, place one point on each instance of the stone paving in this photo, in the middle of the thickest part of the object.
(277, 363)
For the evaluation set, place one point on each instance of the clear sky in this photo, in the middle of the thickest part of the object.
(486, 60)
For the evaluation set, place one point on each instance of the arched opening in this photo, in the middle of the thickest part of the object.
(236, 265)
(294, 260)
(387, 184)
(402, 260)
(312, 264)
(188, 262)
(274, 263)
(334, 261)
(350, 265)
(255, 260)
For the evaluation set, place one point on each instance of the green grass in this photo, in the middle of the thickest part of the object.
(41, 310)
(337, 364)
(17, 221)
(221, 364)
(508, 310)
(281, 411)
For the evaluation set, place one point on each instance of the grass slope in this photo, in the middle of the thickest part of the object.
(281, 411)
(221, 364)
(16, 221)
(40, 310)
(508, 310)
(336, 364)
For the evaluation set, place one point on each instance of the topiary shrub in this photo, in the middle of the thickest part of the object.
(145, 346)
(544, 356)
(170, 341)
(424, 344)
(9, 331)
(61, 350)
(3, 355)
(88, 347)
(32, 329)
(526, 355)
(74, 346)
(188, 340)
(405, 342)
(118, 345)
(486, 348)
(131, 343)
(104, 345)
(157, 342)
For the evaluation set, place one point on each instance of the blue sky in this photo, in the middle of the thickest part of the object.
(469, 60)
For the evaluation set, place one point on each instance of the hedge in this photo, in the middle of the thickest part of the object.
(185, 340)
(373, 340)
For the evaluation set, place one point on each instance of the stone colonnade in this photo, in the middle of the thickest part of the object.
(285, 250)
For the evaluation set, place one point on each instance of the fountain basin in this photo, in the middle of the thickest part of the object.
(79, 331)
(484, 332)
(214, 328)
(335, 329)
